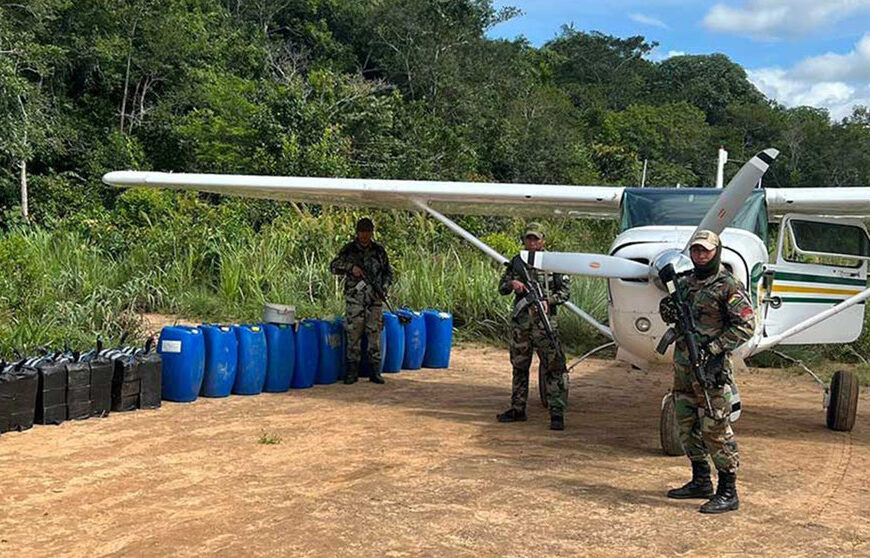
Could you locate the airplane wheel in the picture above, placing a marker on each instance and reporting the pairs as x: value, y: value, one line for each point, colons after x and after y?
x: 542, y: 386
x: 669, y: 431
x: 843, y: 405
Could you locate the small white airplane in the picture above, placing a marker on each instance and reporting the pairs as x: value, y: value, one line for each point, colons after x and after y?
x: 810, y: 290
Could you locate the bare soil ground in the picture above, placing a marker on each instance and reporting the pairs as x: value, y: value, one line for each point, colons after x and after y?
x: 419, y: 467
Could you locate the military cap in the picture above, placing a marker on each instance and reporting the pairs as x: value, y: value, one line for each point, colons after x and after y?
x: 534, y: 229
x: 708, y: 239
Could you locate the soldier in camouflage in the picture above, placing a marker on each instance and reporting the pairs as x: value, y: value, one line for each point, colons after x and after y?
x: 527, y: 334
x: 365, y: 266
x: 724, y: 319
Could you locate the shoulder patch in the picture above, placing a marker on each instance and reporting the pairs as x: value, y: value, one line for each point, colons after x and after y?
x: 737, y: 299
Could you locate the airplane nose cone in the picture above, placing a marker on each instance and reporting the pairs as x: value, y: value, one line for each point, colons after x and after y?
x: 680, y: 261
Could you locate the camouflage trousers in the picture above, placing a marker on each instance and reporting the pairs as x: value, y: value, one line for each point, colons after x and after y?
x: 361, y: 317
x: 704, y: 436
x: 528, y: 335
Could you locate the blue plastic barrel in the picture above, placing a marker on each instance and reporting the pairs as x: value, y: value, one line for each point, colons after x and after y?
x: 251, y: 373
x: 330, y: 349
x: 365, y: 368
x: 439, y: 338
x: 182, y: 350
x: 307, y: 355
x: 415, y: 339
x: 221, y: 360
x: 281, y: 359
x: 394, y: 350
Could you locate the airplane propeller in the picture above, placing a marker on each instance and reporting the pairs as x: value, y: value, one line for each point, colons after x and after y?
x: 717, y: 218
x: 735, y: 194
x: 595, y: 265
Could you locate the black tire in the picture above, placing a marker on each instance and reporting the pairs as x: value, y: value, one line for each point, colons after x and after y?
x: 669, y: 431
x: 843, y: 405
x: 542, y: 386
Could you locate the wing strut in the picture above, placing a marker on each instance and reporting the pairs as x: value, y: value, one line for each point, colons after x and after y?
x: 486, y: 249
x: 772, y: 341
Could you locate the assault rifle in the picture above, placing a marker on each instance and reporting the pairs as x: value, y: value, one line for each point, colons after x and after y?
x: 369, y: 278
x: 535, y: 298
x: 685, y: 328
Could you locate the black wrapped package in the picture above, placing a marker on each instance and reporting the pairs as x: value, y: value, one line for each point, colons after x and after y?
x: 51, y: 394
x: 78, y: 392
x: 18, y: 388
x: 151, y: 374
x: 102, y: 374
x: 52, y: 415
x: 125, y: 381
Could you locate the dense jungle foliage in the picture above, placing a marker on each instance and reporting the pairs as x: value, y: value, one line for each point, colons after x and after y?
x: 357, y: 88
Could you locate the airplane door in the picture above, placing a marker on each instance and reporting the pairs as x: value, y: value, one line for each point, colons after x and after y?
x: 820, y: 262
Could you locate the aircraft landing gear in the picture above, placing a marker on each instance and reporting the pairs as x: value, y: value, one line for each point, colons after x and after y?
x: 840, y: 400
x: 669, y: 431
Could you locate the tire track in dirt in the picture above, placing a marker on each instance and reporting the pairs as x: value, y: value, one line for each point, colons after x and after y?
x: 836, y: 474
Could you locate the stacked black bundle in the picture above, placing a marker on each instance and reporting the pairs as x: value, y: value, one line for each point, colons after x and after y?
x: 78, y: 391
x: 18, y: 386
x: 151, y: 375
x: 51, y: 394
x: 102, y: 374
x: 125, y: 381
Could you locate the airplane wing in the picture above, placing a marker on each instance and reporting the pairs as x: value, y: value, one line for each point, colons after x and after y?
x: 835, y: 202
x: 463, y: 198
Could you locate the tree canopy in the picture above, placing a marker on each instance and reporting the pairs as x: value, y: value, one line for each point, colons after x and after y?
x: 383, y: 88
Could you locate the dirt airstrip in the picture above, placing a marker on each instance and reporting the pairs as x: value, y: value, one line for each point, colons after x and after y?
x: 419, y: 467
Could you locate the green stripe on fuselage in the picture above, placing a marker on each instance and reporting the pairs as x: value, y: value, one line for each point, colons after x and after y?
x: 800, y: 277
x: 809, y: 300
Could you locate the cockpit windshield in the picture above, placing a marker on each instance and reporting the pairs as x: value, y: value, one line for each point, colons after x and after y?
x: 687, y: 206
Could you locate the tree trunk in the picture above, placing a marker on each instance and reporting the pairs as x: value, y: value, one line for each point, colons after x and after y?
x: 126, y: 88
x: 127, y: 76
x: 24, y: 209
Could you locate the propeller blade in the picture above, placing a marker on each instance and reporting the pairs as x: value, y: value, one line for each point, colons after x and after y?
x: 594, y: 265
x: 736, y: 192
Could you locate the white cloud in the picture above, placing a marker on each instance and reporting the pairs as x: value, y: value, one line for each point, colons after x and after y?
x: 773, y: 19
x: 657, y: 56
x: 837, y: 82
x: 647, y: 20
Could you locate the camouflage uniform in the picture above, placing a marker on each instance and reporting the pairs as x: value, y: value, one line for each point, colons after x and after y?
x: 724, y: 320
x: 363, y: 307
x: 527, y: 333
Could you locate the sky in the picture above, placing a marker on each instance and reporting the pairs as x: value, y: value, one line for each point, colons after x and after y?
x: 798, y: 52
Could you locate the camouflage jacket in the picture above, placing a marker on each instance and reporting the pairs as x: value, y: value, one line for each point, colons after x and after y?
x: 372, y: 259
x: 722, y: 311
x: 555, y: 286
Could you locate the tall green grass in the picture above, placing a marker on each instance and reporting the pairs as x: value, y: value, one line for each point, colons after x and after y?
x: 164, y: 253
x: 181, y: 254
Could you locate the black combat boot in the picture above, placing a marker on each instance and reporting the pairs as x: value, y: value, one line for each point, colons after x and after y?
x: 512, y: 415
x: 376, y: 378
x: 725, y: 499
x: 557, y: 421
x: 699, y: 487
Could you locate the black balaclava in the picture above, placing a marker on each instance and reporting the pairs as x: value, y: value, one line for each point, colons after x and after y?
x: 711, y: 267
